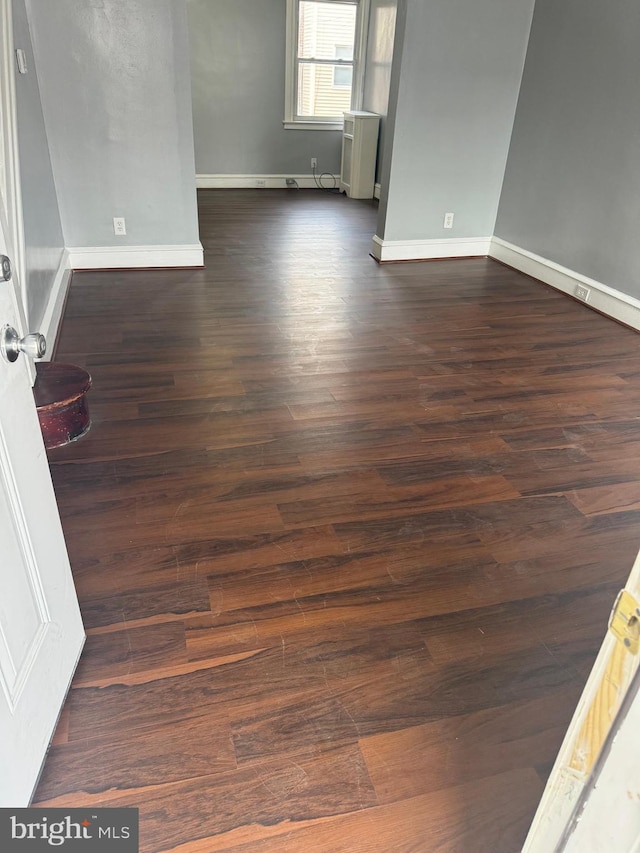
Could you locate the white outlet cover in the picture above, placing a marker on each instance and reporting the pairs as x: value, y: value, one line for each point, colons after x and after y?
x: 21, y: 60
x: 582, y: 292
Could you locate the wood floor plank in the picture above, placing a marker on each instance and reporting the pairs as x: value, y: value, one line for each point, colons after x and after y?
x: 485, y: 631
x: 315, y: 785
x: 344, y: 567
x: 184, y: 750
x: 131, y: 650
x: 435, y: 755
x: 599, y: 500
x: 403, y: 692
x: 184, y: 595
x: 446, y: 821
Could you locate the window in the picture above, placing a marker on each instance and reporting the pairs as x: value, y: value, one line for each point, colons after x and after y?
x: 325, y: 56
x: 343, y: 74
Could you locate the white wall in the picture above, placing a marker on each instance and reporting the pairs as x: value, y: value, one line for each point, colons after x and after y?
x: 238, y: 67
x: 42, y: 229
x: 572, y: 185
x: 454, y: 89
x: 115, y: 87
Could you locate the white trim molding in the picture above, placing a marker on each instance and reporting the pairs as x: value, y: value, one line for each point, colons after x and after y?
x: 427, y: 250
x: 50, y: 325
x: 613, y: 303
x: 131, y: 257
x: 261, y: 182
x: 377, y: 189
x: 314, y: 125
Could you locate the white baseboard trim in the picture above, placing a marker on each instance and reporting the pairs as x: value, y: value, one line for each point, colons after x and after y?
x: 50, y: 324
x: 262, y: 182
x: 426, y: 250
x: 377, y: 189
x: 613, y: 303
x: 130, y: 257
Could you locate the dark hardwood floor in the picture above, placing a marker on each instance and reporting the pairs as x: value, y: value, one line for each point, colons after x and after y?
x: 345, y: 537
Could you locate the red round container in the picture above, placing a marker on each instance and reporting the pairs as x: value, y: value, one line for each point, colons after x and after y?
x: 60, y: 395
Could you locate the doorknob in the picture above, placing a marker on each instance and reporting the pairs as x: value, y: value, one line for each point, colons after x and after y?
x: 11, y: 344
x: 5, y: 268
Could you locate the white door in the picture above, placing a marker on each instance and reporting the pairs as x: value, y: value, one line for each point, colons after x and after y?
x: 592, y: 799
x: 41, y: 633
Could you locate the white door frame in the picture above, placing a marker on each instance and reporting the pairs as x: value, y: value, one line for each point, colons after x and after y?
x: 612, y: 674
x: 10, y: 185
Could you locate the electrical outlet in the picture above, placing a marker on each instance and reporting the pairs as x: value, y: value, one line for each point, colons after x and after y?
x: 314, y: 162
x: 119, y: 226
x: 582, y: 293
x: 448, y: 220
x: 260, y: 182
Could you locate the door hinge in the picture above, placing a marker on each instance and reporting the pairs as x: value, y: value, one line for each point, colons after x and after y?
x: 624, y: 622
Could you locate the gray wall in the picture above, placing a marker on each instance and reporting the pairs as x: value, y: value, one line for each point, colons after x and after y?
x: 382, y: 25
x: 572, y: 185
x: 115, y: 84
x: 42, y: 229
x: 238, y: 62
x: 458, y: 65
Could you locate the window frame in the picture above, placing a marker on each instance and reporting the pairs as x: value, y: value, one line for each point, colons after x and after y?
x: 292, y: 121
